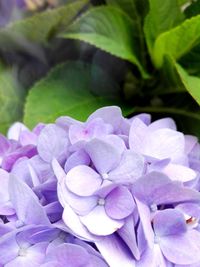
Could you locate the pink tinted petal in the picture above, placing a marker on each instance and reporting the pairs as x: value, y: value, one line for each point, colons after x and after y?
x: 119, y: 203
x: 83, y: 180
x: 105, y: 154
x: 115, y: 252
x: 98, y: 222
x: 165, y: 143
x: 137, y: 135
x: 181, y: 249
x: 80, y: 157
x: 111, y: 115
x: 52, y: 143
x: 179, y: 172
x: 129, y: 169
x: 169, y: 222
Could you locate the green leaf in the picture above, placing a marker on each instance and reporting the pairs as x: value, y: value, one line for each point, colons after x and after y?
x: 177, y: 41
x: 191, y: 61
x: 11, y: 99
x: 132, y: 8
x: 163, y: 15
x: 128, y: 6
x: 191, y: 83
x: 109, y: 29
x: 38, y: 28
x: 188, y: 122
x: 67, y: 90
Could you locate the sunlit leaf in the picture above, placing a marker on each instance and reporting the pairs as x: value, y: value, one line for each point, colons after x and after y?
x: 177, y: 41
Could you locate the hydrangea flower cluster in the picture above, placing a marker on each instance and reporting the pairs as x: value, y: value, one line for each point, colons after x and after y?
x: 106, y: 192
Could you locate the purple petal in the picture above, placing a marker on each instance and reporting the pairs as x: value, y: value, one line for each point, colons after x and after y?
x: 98, y: 222
x: 32, y: 256
x: 169, y: 222
x: 156, y: 188
x: 179, y: 173
x: 190, y: 142
x: 119, y: 203
x: 115, y: 252
x: 145, y: 217
x: 15, y: 130
x: 26, y: 203
x: 164, y: 143
x: 4, y: 145
x: 111, y: 115
x: 52, y: 143
x: 137, y: 135
x: 129, y: 169
x: 83, y: 180
x: 8, y: 247
x: 162, y: 123
x: 105, y: 154
x: 80, y: 157
x: 70, y: 255
x: 72, y: 221
x: 27, y: 138
x: 181, y: 249
x: 153, y: 258
x: 127, y: 233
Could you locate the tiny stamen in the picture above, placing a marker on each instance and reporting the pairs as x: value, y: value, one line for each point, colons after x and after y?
x: 104, y: 176
x: 101, y: 202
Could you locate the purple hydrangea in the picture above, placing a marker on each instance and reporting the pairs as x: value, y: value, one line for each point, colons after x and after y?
x: 110, y: 191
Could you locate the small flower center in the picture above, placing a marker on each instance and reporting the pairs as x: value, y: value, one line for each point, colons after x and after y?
x: 19, y: 224
x: 153, y: 207
x: 101, y: 202
x: 104, y: 176
x: 22, y: 252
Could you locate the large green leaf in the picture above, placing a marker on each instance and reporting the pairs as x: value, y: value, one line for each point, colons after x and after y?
x: 109, y: 29
x: 39, y: 27
x: 11, y: 99
x: 67, y: 90
x: 163, y: 15
x: 191, y: 83
x: 177, y: 41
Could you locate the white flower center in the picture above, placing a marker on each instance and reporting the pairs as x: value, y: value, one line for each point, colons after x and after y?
x: 101, y: 202
x: 104, y: 176
x: 22, y: 252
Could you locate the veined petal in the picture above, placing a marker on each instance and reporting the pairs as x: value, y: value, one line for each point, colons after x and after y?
x: 119, y: 203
